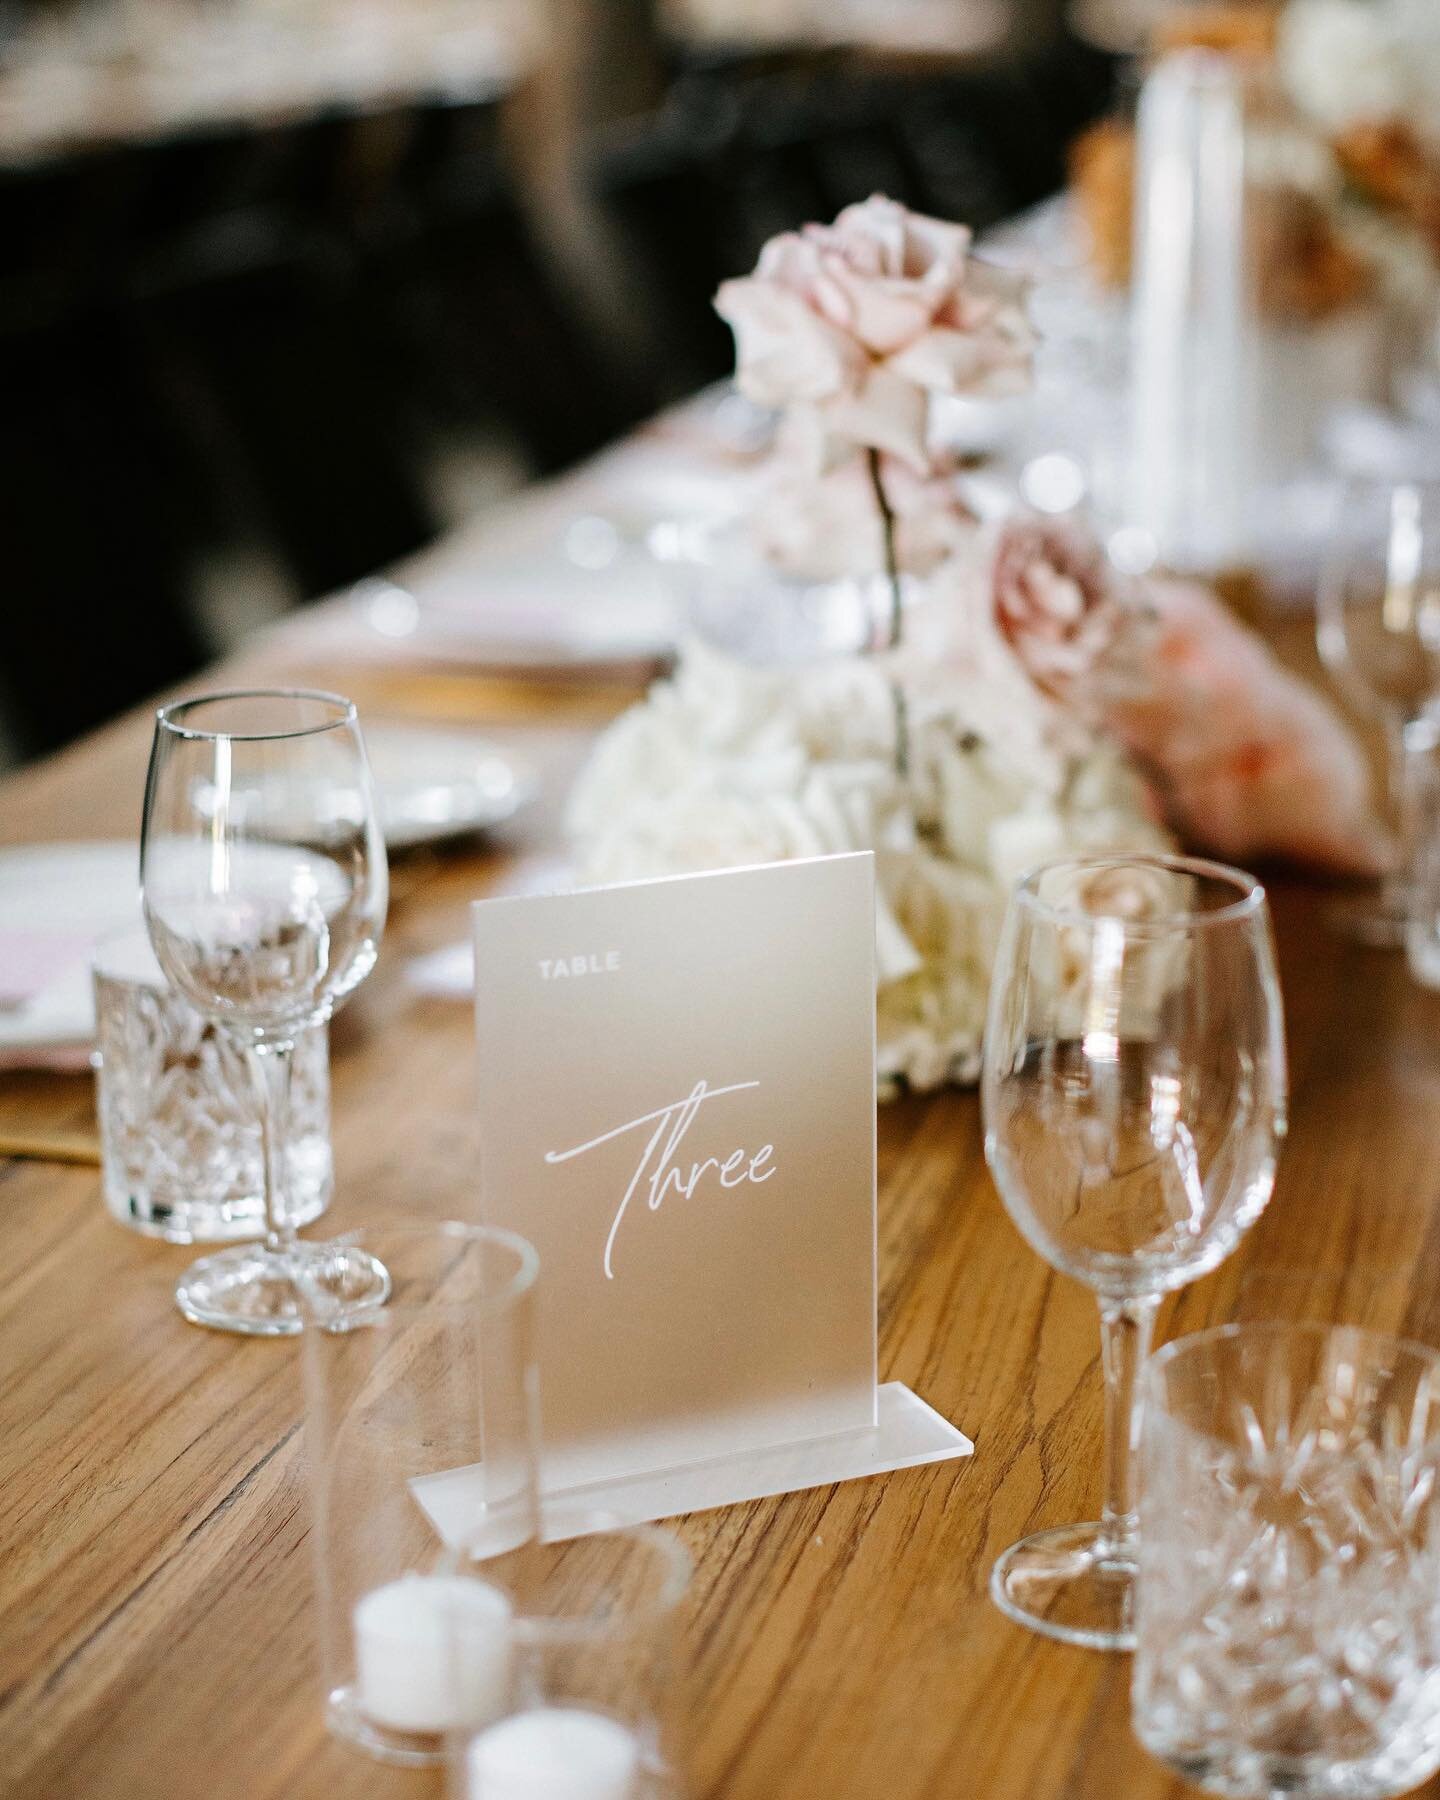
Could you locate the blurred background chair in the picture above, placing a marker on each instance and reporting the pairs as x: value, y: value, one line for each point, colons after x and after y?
x: 286, y: 290
x: 740, y: 148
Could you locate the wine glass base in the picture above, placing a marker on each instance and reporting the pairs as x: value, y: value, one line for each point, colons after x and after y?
x: 251, y: 1290
x: 1068, y: 1584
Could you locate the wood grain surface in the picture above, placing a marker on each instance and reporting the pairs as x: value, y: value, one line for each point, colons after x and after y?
x: 155, y: 1584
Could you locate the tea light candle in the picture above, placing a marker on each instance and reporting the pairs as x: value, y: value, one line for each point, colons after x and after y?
x: 432, y: 1652
x: 554, y: 1753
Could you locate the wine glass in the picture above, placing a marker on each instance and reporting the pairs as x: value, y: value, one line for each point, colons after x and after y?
x: 264, y: 883
x: 1378, y: 630
x: 1134, y: 1098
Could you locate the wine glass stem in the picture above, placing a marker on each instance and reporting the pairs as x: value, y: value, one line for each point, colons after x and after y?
x: 270, y: 1071
x: 1126, y: 1327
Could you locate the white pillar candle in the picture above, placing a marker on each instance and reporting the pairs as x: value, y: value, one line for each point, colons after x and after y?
x: 432, y: 1652
x: 554, y: 1753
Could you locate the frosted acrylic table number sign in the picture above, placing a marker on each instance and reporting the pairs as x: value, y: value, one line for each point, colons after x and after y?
x: 677, y: 1094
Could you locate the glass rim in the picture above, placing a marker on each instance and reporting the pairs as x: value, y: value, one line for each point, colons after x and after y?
x: 489, y: 1305
x: 590, y: 1628
x: 1313, y: 1329
x: 1249, y: 900
x: 171, y: 717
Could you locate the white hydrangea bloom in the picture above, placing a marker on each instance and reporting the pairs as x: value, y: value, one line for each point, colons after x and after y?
x: 725, y: 765
x: 1359, y: 62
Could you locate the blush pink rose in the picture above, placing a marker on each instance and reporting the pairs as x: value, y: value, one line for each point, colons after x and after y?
x: 1250, y: 760
x: 1058, y: 603
x: 864, y: 319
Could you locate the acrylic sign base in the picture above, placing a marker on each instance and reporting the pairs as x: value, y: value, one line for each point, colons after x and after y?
x: 906, y: 1435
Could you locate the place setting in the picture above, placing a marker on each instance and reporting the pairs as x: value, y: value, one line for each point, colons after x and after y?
x: 63, y: 905
x: 640, y: 1360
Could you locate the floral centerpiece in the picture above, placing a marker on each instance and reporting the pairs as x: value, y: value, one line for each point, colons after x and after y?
x: 1365, y: 74
x: 1023, y: 700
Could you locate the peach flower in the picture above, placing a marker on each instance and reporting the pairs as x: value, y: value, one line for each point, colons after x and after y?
x: 1058, y: 602
x: 1247, y: 760
x: 862, y: 320
x: 1251, y: 761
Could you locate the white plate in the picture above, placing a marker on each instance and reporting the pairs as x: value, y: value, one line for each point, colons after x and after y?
x: 534, y: 612
x: 431, y: 785
x: 91, y: 890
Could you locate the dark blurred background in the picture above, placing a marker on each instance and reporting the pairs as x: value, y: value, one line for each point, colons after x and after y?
x: 288, y: 287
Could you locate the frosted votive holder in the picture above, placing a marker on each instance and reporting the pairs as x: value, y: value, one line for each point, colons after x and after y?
x: 439, y: 1378
x: 590, y: 1703
x: 180, y: 1142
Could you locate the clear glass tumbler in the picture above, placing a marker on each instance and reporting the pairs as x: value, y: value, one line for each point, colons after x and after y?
x: 1134, y: 1100
x: 590, y: 1707
x: 1288, y: 1602
x: 422, y: 1430
x: 181, y: 1149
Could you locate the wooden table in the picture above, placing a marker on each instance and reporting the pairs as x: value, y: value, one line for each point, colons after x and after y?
x: 154, y: 1570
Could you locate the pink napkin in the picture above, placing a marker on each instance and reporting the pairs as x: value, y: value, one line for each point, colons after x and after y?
x: 31, y: 960
x: 31, y: 963
x: 1252, y: 761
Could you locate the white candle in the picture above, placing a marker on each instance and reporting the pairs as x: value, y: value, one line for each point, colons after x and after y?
x: 432, y: 1652
x: 1192, y: 431
x: 554, y: 1753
